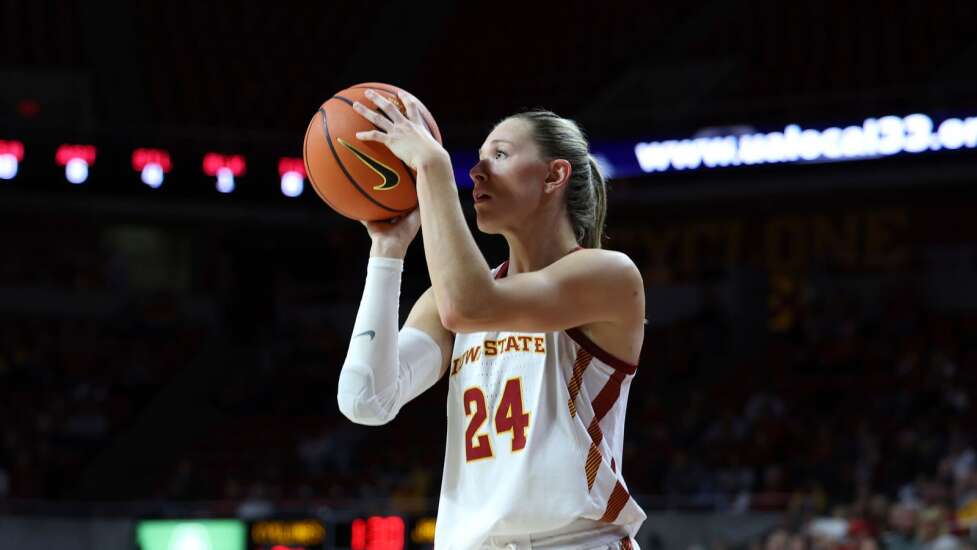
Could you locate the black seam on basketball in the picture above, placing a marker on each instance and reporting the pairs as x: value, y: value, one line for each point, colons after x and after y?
x: 308, y: 172
x: 410, y: 173
x: 325, y: 128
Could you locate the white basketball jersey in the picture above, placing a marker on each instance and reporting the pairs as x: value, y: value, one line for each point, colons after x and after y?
x: 535, y: 435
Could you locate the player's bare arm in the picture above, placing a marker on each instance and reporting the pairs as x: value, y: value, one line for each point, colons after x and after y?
x: 424, y: 317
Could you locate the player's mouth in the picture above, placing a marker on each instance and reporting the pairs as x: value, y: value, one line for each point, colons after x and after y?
x: 480, y: 197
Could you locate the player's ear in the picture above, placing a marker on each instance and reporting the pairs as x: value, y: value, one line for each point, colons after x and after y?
x: 557, y: 176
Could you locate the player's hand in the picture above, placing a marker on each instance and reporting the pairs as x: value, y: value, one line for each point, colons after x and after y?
x: 405, y: 136
x: 392, y: 237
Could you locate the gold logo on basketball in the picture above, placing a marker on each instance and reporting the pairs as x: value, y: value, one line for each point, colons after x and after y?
x: 390, y: 177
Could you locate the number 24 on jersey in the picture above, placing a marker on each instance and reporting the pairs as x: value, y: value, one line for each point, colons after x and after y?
x: 509, y: 417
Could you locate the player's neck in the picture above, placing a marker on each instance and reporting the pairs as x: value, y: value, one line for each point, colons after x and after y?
x: 537, y: 245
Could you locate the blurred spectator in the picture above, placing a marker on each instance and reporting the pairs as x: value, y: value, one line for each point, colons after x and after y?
x: 900, y: 533
x: 778, y: 540
x: 933, y: 532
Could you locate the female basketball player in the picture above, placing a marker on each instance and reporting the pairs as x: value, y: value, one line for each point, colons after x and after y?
x: 539, y: 352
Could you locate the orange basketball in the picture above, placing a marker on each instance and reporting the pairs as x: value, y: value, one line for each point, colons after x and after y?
x: 361, y: 180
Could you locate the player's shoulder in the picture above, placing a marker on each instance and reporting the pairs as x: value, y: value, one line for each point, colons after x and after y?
x: 607, y: 263
x: 602, y: 255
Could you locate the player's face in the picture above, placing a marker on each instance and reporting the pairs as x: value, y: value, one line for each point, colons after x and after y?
x: 508, y: 177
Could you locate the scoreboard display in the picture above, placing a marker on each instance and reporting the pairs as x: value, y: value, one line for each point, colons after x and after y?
x: 385, y: 533
x: 304, y: 534
x: 213, y: 534
x: 376, y: 532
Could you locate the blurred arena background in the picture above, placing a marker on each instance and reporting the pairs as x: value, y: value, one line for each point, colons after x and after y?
x: 794, y: 179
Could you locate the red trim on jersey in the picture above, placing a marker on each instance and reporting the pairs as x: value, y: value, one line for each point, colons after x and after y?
x: 579, y: 366
x: 626, y: 544
x: 596, y: 434
x: 618, y: 364
x: 619, y: 497
x: 608, y: 395
x: 590, y: 467
x: 606, y: 398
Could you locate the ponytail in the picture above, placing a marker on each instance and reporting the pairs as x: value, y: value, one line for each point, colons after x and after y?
x: 594, y: 235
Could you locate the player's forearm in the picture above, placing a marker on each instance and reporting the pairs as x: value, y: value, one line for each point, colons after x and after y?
x: 384, y: 368
x: 459, y: 273
x: 370, y: 368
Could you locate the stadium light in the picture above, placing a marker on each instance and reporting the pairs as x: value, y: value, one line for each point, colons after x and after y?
x: 225, y: 168
x: 292, y: 171
x: 152, y: 165
x: 11, y: 154
x: 76, y: 159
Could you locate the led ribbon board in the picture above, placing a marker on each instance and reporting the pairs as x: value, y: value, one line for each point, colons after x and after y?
x: 873, y: 138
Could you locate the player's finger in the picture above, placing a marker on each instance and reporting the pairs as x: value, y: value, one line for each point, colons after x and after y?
x: 386, y: 106
x: 374, y: 117
x: 372, y: 135
x: 412, y: 107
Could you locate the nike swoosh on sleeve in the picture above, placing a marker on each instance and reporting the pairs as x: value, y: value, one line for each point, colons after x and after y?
x: 369, y: 333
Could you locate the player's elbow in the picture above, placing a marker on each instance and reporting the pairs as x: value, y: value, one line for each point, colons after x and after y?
x: 359, y: 402
x: 362, y: 411
x: 462, y: 315
x: 456, y: 321
x: 450, y: 319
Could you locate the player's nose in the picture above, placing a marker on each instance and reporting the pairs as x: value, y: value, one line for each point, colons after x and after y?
x: 477, y: 173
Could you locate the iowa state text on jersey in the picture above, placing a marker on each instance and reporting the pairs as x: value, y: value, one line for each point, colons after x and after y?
x: 505, y: 344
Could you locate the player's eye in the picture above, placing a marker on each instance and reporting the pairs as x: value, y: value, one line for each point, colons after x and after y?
x: 501, y: 154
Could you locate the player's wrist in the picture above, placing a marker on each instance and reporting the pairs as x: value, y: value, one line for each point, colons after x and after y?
x: 384, y: 249
x: 437, y: 159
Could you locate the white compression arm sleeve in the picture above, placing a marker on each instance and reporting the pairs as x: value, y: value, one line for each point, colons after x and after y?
x: 383, y: 369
